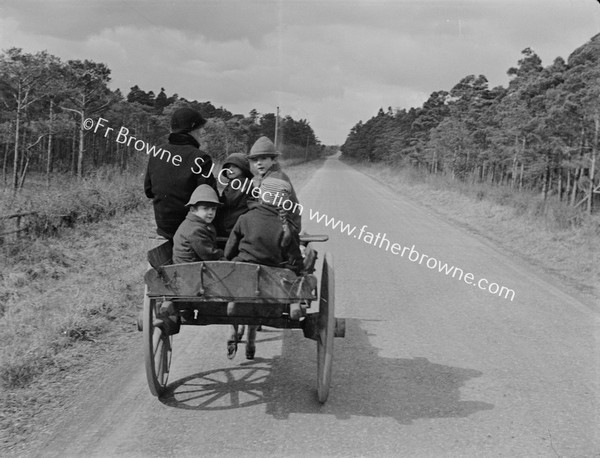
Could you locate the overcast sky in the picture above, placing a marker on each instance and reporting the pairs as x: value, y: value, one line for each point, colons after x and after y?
x: 332, y: 62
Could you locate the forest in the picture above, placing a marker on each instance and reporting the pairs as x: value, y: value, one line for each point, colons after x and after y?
x: 44, y: 103
x: 539, y: 134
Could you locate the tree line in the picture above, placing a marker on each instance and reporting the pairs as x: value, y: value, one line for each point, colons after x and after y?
x: 45, y: 101
x: 539, y: 133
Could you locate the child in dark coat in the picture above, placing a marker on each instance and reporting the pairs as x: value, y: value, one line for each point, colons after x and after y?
x: 196, y: 238
x: 257, y: 236
x: 264, y: 156
x: 236, y: 195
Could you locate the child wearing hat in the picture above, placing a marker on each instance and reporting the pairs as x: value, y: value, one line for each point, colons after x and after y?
x: 264, y: 156
x: 236, y: 195
x: 169, y: 185
x: 196, y: 238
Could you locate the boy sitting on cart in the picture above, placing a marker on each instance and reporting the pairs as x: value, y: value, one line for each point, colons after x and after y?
x: 258, y: 237
x: 196, y: 237
x: 195, y: 240
x: 265, y: 159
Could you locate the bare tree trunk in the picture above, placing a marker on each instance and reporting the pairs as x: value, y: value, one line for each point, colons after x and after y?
x: 121, y: 160
x: 546, y: 180
x: 22, y: 154
x: 15, y: 179
x: 593, y: 165
x: 521, y: 177
x: 27, y: 157
x: 514, y: 163
x: 576, y: 177
x: 81, y: 148
x: 559, y: 184
x: 49, y: 150
x: 24, y: 172
x: 73, y: 154
x: 578, y: 170
x: 5, y: 162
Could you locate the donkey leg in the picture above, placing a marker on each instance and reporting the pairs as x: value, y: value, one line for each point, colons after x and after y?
x: 240, y: 332
x: 232, y: 342
x: 250, y: 342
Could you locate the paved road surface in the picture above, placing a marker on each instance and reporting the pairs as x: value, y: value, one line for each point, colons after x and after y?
x: 430, y: 366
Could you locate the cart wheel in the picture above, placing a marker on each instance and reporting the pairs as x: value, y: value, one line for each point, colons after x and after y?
x: 326, y: 328
x: 157, y: 349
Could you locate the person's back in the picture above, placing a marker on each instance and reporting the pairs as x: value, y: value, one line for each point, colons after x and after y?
x: 176, y: 169
x: 258, y: 235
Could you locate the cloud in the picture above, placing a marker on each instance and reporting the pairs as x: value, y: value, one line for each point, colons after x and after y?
x: 332, y: 62
x: 77, y: 20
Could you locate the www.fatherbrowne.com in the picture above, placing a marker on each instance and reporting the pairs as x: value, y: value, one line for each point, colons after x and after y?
x: 413, y: 255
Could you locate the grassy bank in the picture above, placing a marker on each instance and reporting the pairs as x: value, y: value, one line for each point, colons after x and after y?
x: 69, y: 202
x: 559, y: 239
x: 69, y: 300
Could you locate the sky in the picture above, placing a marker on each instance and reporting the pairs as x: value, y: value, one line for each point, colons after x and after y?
x: 331, y: 62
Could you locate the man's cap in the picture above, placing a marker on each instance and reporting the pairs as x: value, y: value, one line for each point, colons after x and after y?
x: 263, y: 147
x: 240, y: 160
x: 204, y: 194
x: 186, y: 120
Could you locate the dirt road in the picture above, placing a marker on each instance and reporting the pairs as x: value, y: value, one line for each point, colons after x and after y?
x: 430, y: 366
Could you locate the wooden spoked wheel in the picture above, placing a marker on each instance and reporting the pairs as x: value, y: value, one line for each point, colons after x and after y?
x: 157, y: 348
x: 326, y: 328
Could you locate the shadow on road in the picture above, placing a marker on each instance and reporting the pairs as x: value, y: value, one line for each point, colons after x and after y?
x: 364, y: 384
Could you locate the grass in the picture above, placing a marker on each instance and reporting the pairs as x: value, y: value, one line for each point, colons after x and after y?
x: 552, y: 235
x: 66, y: 296
x: 70, y: 202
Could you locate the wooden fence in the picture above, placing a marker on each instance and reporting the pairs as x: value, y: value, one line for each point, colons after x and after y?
x: 17, y: 222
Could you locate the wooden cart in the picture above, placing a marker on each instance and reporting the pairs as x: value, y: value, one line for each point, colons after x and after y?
x: 200, y: 292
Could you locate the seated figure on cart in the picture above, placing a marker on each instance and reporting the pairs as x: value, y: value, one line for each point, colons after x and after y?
x: 195, y: 239
x: 170, y: 186
x: 236, y: 194
x: 258, y: 237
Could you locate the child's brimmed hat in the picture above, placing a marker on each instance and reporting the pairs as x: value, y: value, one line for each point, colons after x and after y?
x: 204, y: 194
x: 263, y: 147
x: 240, y: 160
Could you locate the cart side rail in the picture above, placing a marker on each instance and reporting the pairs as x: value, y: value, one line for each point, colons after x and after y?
x: 230, y: 281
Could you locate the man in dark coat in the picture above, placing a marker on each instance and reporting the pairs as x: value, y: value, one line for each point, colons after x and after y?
x: 176, y: 169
